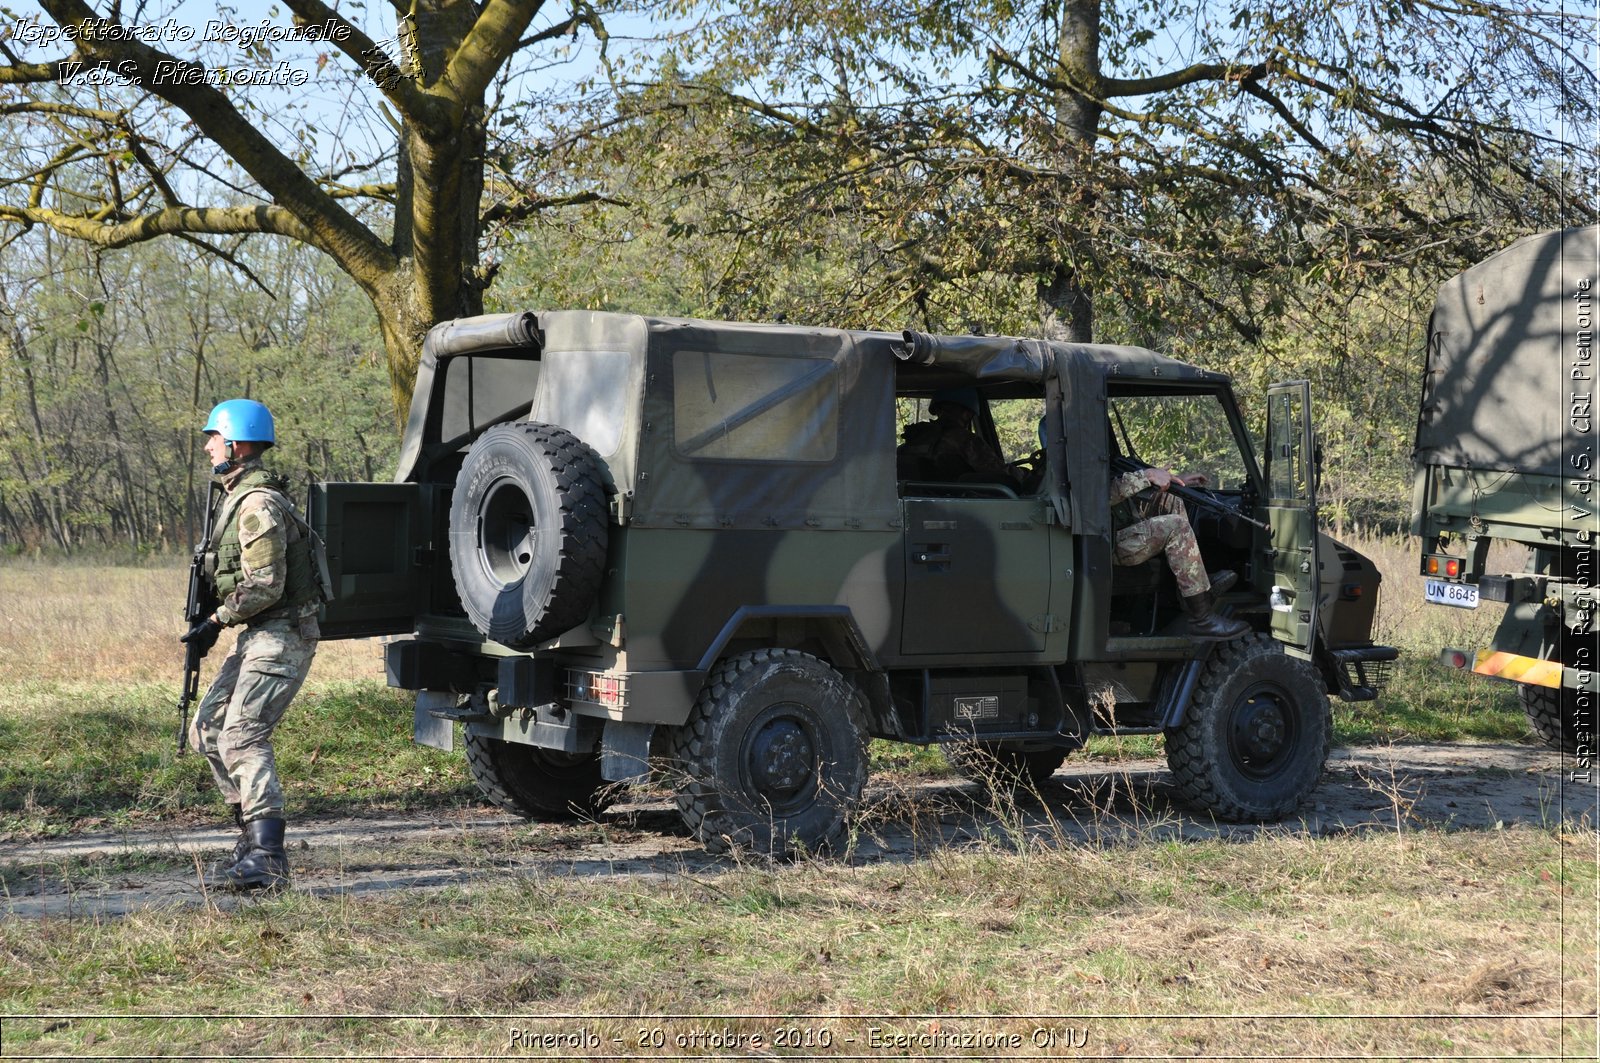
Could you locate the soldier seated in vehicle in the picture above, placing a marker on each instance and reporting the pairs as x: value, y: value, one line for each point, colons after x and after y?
x: 1169, y: 532
x: 948, y: 448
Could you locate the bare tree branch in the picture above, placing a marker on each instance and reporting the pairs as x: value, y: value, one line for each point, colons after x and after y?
x: 320, y: 220
x: 380, y: 68
x: 491, y: 42
x: 169, y: 221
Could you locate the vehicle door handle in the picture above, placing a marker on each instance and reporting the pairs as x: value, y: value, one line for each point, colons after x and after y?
x: 933, y: 555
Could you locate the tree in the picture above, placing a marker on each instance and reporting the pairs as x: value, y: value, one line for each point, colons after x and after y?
x: 119, y: 165
x: 108, y: 363
x: 1157, y: 163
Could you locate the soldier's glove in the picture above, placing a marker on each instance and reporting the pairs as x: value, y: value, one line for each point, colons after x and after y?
x: 203, y: 635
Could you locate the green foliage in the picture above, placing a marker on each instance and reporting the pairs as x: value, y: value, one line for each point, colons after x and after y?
x: 1272, y: 194
x: 110, y: 363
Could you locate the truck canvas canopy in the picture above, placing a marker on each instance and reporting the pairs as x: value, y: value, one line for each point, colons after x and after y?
x: 1510, y: 376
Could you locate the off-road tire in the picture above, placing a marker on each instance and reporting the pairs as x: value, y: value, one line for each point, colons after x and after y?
x: 1253, y: 743
x: 773, y: 756
x: 1549, y: 711
x: 528, y: 528
x: 534, y: 783
x: 1006, y: 767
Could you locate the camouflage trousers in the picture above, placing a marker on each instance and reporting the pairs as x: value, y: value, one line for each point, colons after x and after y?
x: 234, y: 724
x: 1171, y: 533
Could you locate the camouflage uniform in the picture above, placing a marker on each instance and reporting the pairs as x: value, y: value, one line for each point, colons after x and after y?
x: 944, y: 449
x: 234, y: 724
x: 1168, y: 531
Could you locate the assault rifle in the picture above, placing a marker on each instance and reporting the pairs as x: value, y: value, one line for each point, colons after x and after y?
x: 1122, y: 464
x: 199, y: 605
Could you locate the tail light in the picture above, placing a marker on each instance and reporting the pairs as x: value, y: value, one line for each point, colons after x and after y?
x: 1441, y: 565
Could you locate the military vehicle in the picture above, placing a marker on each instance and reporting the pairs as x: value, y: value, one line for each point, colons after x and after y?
x: 1506, y: 450
x: 617, y: 541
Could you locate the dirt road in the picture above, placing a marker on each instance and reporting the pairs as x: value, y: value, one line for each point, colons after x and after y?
x: 1403, y: 787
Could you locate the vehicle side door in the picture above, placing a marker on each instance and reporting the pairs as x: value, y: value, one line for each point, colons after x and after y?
x: 1290, y: 508
x: 373, y: 533
x: 977, y: 576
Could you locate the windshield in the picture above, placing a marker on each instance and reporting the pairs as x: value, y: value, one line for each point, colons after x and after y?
x: 1187, y: 433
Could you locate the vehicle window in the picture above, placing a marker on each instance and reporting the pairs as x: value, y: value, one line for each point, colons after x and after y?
x: 1016, y: 422
x: 1286, y: 458
x: 1184, y: 433
x: 480, y: 390
x: 750, y: 407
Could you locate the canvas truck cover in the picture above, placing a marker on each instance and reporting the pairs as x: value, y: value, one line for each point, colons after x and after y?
x: 765, y: 426
x: 1510, y: 376
x: 715, y: 424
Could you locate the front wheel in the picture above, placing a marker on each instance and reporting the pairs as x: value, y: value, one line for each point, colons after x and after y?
x: 1256, y: 736
x: 773, y: 755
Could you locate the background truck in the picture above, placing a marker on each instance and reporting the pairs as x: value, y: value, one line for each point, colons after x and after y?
x: 618, y: 544
x: 1506, y: 448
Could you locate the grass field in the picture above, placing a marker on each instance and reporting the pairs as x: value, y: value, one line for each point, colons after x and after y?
x: 1463, y: 927
x: 1369, y: 945
x: 89, y: 671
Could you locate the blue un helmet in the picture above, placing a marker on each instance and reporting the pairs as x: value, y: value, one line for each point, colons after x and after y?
x: 242, y: 421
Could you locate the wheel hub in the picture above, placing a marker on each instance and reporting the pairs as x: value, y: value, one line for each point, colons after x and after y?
x: 1260, y: 733
x: 506, y: 530
x: 782, y: 760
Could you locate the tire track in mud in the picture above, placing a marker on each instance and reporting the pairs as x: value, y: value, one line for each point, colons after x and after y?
x: 1365, y: 789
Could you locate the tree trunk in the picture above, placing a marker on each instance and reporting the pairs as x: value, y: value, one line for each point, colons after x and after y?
x: 1066, y: 303
x: 1066, y: 308
x: 439, y: 189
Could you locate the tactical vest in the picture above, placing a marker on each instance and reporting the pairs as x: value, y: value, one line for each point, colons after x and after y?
x: 300, y: 585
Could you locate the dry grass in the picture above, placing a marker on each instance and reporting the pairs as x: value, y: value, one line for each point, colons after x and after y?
x: 1405, y: 619
x: 1265, y: 948
x: 1481, y: 942
x: 72, y: 622
x: 132, y: 615
x: 90, y: 671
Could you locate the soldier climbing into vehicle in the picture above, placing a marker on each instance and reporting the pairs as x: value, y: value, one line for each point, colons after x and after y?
x: 1169, y: 532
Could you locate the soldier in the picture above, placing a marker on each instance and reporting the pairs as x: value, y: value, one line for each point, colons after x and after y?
x: 1169, y: 532
x: 948, y: 448
x: 261, y: 563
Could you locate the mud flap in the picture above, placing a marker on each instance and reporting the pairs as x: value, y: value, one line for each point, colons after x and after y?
x: 625, y: 751
x: 428, y: 729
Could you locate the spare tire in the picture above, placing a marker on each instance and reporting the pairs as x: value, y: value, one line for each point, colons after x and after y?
x: 528, y: 532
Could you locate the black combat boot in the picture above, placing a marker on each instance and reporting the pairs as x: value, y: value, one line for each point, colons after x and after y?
x: 1222, y: 581
x: 217, y: 873
x: 264, y: 865
x: 1206, y: 625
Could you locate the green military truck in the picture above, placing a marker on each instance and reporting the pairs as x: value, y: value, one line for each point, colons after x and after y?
x: 617, y: 544
x: 1506, y: 450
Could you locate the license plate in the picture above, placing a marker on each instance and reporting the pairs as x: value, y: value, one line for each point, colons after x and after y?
x: 1442, y: 592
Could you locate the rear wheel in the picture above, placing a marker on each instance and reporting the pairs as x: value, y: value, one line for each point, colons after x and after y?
x: 997, y: 764
x: 773, y: 755
x: 1550, y: 712
x: 536, y: 783
x: 1256, y: 735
